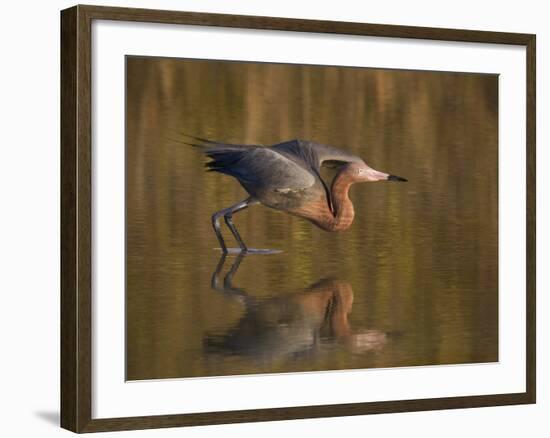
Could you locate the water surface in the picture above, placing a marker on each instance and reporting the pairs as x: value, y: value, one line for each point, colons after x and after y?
x: 414, y: 281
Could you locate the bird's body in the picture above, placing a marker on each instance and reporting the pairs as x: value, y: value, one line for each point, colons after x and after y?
x: 286, y: 176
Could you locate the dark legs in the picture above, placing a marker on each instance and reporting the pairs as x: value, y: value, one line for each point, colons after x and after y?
x: 227, y: 213
x: 229, y: 221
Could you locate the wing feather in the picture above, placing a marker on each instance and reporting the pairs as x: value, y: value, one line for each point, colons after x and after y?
x: 316, y: 155
x: 260, y: 167
x: 214, y: 144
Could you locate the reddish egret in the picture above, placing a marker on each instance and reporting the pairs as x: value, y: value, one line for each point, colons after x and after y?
x: 286, y: 177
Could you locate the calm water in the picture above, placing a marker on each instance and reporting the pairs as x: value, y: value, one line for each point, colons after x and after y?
x: 414, y: 281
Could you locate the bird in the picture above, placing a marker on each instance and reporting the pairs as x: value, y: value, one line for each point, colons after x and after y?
x: 287, y: 177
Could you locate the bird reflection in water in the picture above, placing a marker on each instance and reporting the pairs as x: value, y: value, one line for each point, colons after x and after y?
x: 305, y: 323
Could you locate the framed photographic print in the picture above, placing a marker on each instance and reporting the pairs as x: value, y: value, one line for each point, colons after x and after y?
x: 268, y: 218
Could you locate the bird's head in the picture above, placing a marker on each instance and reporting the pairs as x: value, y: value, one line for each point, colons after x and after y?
x: 361, y: 172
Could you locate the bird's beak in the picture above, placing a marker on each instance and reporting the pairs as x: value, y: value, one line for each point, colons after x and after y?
x: 396, y: 178
x: 375, y: 175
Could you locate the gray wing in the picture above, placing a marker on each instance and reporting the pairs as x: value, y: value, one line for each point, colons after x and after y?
x: 255, y: 166
x: 260, y: 168
x: 315, y: 155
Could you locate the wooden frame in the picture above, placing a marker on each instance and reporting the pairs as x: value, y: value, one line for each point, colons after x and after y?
x: 76, y: 168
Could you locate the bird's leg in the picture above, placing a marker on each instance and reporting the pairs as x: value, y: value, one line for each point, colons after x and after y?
x: 227, y: 213
x: 228, y: 216
x: 216, y: 225
x: 229, y: 221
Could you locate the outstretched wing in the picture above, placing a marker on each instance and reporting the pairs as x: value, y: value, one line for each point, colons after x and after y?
x: 259, y: 167
x: 315, y: 155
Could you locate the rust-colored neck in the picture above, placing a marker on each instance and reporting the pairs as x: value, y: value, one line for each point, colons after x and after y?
x: 343, y: 207
x: 318, y: 212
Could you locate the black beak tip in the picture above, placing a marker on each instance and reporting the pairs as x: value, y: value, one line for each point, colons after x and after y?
x: 396, y: 178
